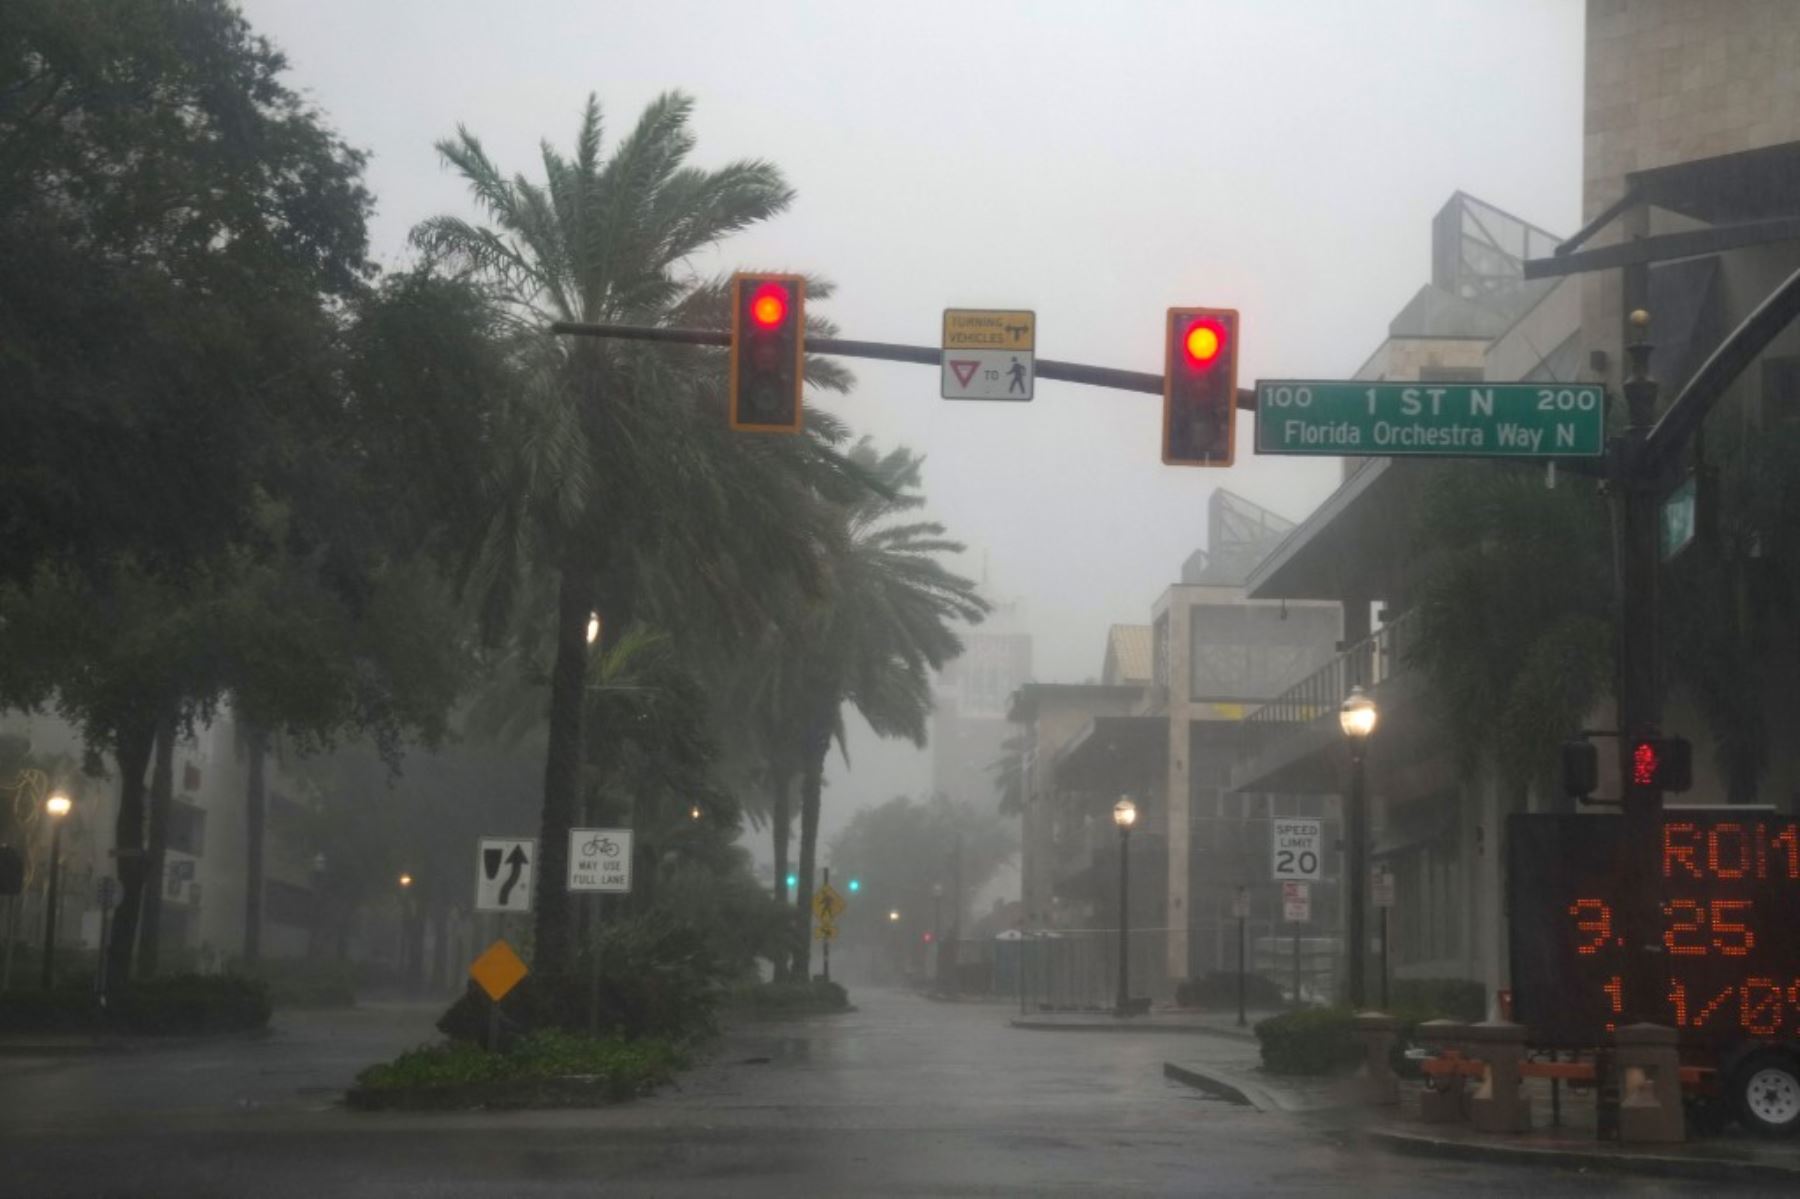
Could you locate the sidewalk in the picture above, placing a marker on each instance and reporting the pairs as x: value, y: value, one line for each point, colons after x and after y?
x: 1323, y: 1103
x: 1218, y: 1024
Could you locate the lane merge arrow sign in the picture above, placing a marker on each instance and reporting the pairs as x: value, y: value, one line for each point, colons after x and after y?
x: 505, y: 869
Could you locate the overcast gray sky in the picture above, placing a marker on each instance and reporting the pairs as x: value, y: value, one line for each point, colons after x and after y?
x: 1097, y: 162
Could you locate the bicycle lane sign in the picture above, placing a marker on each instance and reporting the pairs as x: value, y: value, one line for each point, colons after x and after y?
x: 600, y: 859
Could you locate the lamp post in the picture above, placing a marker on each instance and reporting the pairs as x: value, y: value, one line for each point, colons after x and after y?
x: 57, y: 807
x: 406, y: 977
x: 1124, y: 815
x: 1357, y: 718
x: 937, y: 935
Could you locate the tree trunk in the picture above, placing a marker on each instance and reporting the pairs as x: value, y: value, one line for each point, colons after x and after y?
x: 256, y: 805
x: 812, y: 782
x: 134, y: 742
x: 782, y: 822
x: 162, y: 789
x: 562, y: 769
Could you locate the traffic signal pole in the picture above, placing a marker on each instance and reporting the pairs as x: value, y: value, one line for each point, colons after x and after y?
x: 1643, y: 459
x: 1142, y: 382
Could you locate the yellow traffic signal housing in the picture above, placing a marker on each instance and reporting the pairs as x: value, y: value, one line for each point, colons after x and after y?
x: 768, y: 352
x: 1200, y: 387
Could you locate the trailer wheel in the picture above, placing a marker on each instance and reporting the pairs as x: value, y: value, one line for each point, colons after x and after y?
x: 1765, y: 1089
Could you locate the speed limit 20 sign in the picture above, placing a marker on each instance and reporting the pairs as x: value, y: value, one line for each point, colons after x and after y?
x: 1299, y: 850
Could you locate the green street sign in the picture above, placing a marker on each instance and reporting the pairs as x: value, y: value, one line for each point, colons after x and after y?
x: 1678, y: 519
x: 1348, y: 419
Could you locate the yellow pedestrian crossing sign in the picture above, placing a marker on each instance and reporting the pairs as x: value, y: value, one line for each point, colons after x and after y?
x: 827, y: 903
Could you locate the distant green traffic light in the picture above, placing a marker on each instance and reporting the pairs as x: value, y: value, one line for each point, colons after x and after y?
x: 855, y: 885
x: 793, y: 880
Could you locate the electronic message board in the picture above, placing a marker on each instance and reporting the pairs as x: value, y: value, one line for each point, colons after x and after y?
x: 1730, y: 924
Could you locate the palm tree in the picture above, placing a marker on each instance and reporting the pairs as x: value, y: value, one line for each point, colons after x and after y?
x: 620, y: 479
x: 883, y: 626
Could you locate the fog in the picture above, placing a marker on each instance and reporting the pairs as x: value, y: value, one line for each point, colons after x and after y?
x: 1094, y: 162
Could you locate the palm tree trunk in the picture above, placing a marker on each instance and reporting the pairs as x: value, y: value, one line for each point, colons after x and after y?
x: 162, y: 788
x: 562, y: 768
x: 134, y: 743
x: 256, y: 807
x: 781, y: 820
x: 812, y: 784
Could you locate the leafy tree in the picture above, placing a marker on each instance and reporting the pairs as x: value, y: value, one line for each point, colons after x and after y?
x: 170, y: 214
x: 884, y: 623
x: 905, y: 847
x: 1513, y: 614
x: 618, y: 481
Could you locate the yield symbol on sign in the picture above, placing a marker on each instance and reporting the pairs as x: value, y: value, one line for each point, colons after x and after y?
x: 964, y: 370
x: 516, y: 860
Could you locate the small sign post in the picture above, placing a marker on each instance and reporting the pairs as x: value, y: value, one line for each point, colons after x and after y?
x: 1296, y: 909
x: 497, y: 971
x: 1240, y: 907
x: 1382, y: 886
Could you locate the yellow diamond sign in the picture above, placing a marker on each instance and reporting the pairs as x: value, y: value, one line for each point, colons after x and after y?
x: 498, y: 970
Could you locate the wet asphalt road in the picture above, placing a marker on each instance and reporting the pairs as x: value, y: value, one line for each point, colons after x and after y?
x: 903, y: 1097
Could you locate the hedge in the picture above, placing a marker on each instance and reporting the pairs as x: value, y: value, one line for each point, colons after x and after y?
x: 761, y: 998
x: 1308, y: 1041
x: 1219, y: 989
x: 180, y: 1005
x: 544, y: 1068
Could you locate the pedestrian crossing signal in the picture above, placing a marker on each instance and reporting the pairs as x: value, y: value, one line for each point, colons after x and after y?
x: 768, y: 352
x: 1200, y: 387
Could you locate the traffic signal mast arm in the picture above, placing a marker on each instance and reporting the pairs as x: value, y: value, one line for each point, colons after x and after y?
x: 884, y: 351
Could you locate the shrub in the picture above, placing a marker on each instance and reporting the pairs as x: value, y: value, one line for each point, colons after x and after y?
x: 185, y: 1004
x: 657, y: 979
x: 1440, y: 998
x: 459, y: 1074
x: 1308, y: 1041
x: 1218, y: 989
x: 304, y: 983
x: 819, y: 995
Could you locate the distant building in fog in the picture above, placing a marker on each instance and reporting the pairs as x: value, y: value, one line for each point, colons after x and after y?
x: 968, y: 724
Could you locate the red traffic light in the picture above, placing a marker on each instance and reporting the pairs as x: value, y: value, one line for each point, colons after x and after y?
x: 768, y: 352
x: 769, y: 305
x: 927, y: 938
x: 1666, y: 763
x: 1205, y: 339
x: 1200, y: 387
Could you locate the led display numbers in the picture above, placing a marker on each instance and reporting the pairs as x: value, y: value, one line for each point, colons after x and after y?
x: 1729, y: 924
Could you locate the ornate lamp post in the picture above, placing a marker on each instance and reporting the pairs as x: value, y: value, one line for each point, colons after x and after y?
x: 1357, y: 718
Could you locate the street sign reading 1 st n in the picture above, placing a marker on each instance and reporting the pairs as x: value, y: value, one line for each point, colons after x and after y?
x: 1350, y: 419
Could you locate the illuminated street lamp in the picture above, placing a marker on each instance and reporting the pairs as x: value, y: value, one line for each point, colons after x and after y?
x: 1357, y: 717
x: 1124, y: 815
x: 694, y: 812
x: 57, y: 807
x: 406, y: 880
x: 893, y: 915
x: 593, y: 627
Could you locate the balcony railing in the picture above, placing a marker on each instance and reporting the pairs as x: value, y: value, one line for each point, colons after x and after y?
x: 1368, y: 663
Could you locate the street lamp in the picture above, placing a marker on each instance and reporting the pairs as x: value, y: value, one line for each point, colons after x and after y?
x: 694, y: 812
x: 1124, y: 815
x: 405, y: 956
x: 1357, y: 717
x: 893, y: 915
x: 593, y: 627
x: 57, y: 807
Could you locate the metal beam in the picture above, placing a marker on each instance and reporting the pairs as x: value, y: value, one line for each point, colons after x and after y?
x: 1665, y: 246
x: 1720, y: 371
x: 883, y: 351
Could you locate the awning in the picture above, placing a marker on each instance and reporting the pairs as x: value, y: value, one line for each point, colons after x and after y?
x: 1114, y: 753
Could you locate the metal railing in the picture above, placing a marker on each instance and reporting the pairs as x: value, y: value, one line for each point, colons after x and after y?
x: 1368, y: 663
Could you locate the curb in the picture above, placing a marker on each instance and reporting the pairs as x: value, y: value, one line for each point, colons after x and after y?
x: 1127, y: 1026
x: 1652, y: 1165
x: 1217, y: 1087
